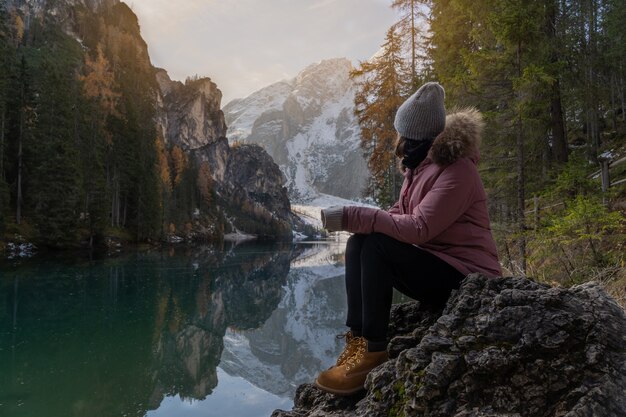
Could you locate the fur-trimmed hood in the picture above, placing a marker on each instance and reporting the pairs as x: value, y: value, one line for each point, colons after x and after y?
x: 460, y: 138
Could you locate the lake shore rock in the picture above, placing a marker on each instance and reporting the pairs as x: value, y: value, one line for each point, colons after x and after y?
x: 501, y: 347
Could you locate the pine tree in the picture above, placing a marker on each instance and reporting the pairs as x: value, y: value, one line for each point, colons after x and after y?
x: 7, y: 54
x: 205, y: 184
x: 450, y: 42
x: 179, y: 164
x: 53, y: 161
x: 554, y: 47
x: 615, y: 60
x: 166, y: 183
x: 100, y: 100
x: 99, y: 82
x: 132, y: 160
x: 25, y: 119
x: 382, y: 85
x: 413, y: 19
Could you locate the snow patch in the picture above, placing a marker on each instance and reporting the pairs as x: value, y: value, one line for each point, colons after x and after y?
x: 307, y: 125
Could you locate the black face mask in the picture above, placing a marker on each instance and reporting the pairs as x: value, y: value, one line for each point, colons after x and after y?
x: 415, y: 152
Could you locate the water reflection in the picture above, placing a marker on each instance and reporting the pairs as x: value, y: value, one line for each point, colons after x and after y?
x: 298, y: 339
x: 148, y: 331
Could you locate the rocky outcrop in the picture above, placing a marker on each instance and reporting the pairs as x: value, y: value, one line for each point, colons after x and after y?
x: 502, y: 347
x: 190, y: 114
x: 253, y: 173
x: 308, y: 127
x: 249, y: 189
x: 249, y: 186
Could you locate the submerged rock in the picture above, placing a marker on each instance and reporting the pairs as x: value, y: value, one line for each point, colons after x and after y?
x: 501, y: 347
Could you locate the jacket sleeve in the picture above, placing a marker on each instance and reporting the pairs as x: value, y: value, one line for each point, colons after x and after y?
x: 451, y: 195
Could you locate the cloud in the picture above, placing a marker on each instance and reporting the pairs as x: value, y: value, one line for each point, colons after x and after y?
x: 244, y: 45
x: 321, y: 4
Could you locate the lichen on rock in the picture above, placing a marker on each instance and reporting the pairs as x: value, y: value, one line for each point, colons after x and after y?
x: 501, y: 347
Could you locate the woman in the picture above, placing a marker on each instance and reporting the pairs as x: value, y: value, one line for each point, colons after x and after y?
x: 436, y: 234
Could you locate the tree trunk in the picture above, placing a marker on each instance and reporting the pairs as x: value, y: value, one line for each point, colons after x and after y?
x: 112, y: 208
x: 536, y: 210
x: 413, y: 65
x: 125, y: 207
x: 113, y: 188
x: 18, y: 210
x: 546, y: 161
x: 520, y: 172
x: 138, y: 217
x: 559, y: 135
x: 520, y: 193
x: 621, y: 84
x: 613, y: 103
x: 557, y: 122
x: 595, y: 129
x: 2, y: 121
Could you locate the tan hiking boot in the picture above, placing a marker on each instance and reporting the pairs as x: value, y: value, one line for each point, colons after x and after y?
x: 352, y: 345
x: 349, y: 377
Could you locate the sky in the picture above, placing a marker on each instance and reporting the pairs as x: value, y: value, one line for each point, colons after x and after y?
x: 245, y: 45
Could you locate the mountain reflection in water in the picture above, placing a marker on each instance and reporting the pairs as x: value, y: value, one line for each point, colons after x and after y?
x: 181, y: 332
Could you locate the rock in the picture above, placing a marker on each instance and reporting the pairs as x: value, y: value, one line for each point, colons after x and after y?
x: 501, y: 347
x: 189, y: 114
x: 19, y: 249
x: 250, y: 189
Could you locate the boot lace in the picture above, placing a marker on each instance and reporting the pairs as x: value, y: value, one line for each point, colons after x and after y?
x: 347, y: 350
x: 357, y: 355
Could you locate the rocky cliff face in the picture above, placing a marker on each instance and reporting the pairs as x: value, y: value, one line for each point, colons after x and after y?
x: 62, y: 12
x: 249, y: 188
x: 307, y: 125
x: 502, y: 347
x: 189, y: 114
x: 248, y: 183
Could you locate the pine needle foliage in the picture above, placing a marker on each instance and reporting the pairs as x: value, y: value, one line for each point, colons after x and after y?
x: 383, y: 84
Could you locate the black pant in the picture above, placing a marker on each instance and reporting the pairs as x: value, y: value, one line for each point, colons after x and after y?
x: 377, y: 263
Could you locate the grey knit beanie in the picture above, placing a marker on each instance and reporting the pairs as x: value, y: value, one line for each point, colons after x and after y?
x: 423, y: 115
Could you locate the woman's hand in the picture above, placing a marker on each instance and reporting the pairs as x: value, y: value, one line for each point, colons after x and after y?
x: 332, y: 218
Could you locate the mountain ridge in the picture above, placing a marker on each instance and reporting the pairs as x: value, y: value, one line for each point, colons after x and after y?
x: 307, y: 125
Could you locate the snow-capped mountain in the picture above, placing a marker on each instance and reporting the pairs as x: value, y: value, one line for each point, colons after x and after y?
x: 308, y: 127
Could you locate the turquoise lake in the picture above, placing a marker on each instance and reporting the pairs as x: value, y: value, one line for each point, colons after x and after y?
x: 180, y: 332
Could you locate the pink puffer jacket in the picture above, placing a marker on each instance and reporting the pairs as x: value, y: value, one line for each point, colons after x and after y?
x: 443, y: 204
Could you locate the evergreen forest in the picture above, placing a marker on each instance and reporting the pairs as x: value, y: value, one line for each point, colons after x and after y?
x: 81, y: 159
x: 549, y: 77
